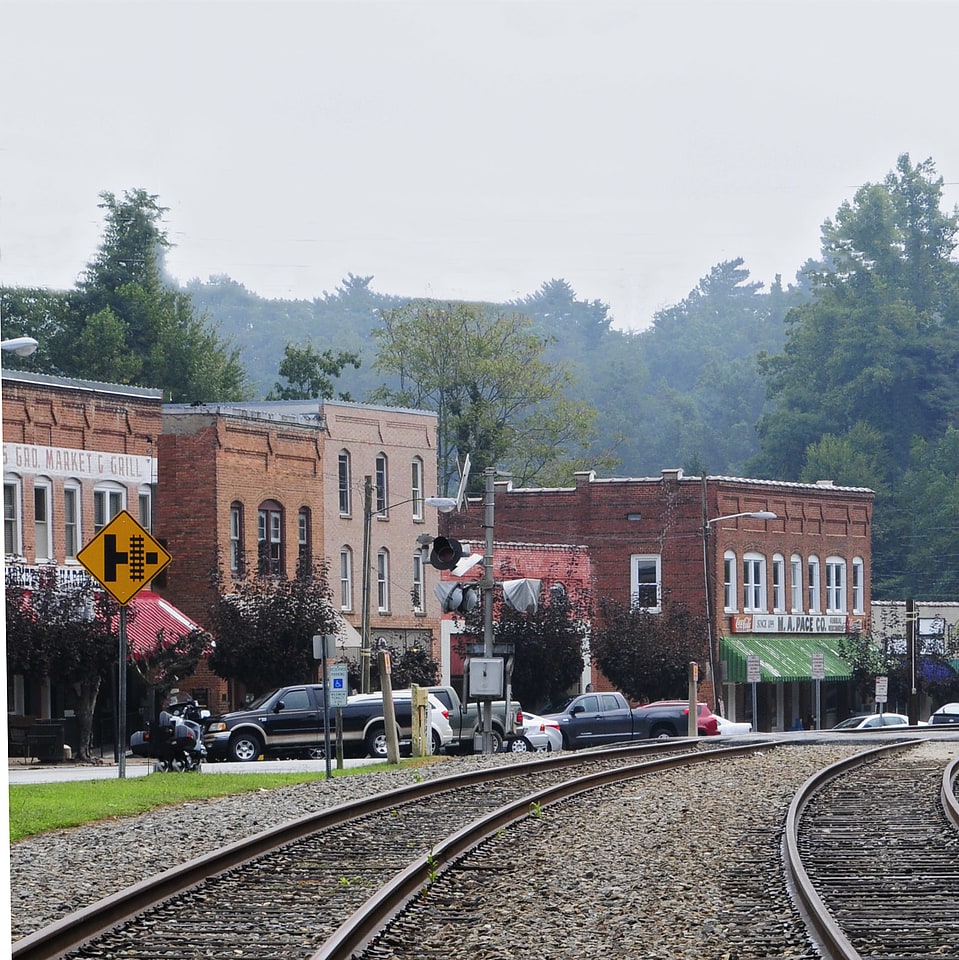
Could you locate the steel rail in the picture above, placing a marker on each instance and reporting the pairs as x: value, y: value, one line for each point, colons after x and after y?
x: 830, y: 939
x: 950, y: 804
x: 391, y: 899
x: 76, y: 929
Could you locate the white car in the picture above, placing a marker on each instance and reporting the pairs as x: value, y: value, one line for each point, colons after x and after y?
x: 539, y: 734
x: 732, y: 728
x: 442, y: 730
x: 873, y: 721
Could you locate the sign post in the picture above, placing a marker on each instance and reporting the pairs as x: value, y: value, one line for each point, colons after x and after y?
x: 754, y: 674
x: 818, y: 674
x: 123, y: 558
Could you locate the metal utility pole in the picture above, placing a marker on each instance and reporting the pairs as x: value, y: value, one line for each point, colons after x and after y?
x: 486, y: 588
x: 365, y: 625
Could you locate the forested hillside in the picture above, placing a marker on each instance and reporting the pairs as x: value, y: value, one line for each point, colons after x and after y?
x: 848, y: 374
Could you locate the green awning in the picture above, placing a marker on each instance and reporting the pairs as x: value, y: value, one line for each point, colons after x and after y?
x: 782, y: 657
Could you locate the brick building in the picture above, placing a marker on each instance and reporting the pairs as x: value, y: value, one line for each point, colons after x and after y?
x: 269, y: 485
x: 76, y: 453
x: 782, y: 589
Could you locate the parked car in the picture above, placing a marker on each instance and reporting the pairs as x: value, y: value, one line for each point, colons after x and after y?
x: 466, y: 720
x: 947, y: 713
x: 873, y: 721
x: 731, y: 728
x: 705, y: 718
x: 441, y: 728
x: 538, y: 733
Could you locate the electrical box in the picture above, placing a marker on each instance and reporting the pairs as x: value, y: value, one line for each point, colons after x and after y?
x: 486, y: 679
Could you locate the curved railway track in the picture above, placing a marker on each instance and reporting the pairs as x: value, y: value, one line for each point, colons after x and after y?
x: 253, y: 895
x: 337, y: 884
x: 871, y: 851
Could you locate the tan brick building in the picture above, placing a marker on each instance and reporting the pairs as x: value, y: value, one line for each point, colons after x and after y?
x: 781, y: 589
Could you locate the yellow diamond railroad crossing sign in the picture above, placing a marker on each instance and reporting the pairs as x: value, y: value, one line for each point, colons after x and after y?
x: 123, y: 557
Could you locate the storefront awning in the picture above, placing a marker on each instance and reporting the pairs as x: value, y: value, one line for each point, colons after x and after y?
x: 782, y: 657
x: 156, y: 620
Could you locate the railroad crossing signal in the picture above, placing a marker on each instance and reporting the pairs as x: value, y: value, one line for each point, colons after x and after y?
x: 123, y: 557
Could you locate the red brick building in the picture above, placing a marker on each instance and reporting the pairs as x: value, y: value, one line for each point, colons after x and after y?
x: 781, y: 589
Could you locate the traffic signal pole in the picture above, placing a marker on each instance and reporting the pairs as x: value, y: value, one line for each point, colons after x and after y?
x: 486, y: 588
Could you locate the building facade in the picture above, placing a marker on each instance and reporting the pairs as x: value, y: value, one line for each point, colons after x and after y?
x: 780, y: 589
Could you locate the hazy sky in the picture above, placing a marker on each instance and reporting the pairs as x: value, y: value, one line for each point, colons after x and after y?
x: 467, y: 149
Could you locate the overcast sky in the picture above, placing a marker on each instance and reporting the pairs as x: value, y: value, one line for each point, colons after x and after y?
x: 467, y: 149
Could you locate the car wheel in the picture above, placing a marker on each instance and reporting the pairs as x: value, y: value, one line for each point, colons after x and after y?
x: 497, y: 741
x: 520, y: 745
x: 245, y: 747
x: 435, y: 743
x: 661, y: 733
x: 376, y: 743
x: 316, y: 753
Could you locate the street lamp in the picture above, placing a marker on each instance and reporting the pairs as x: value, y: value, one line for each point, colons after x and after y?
x: 707, y: 581
x: 443, y: 505
x: 21, y: 346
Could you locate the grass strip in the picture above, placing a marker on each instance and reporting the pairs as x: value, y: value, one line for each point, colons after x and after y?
x: 39, y: 807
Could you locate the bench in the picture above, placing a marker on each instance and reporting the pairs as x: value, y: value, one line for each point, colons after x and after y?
x: 18, y: 728
x: 29, y: 737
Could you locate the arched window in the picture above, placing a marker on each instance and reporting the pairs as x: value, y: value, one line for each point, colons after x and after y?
x: 381, y: 490
x: 269, y: 537
x: 795, y: 583
x: 304, y: 551
x: 835, y: 585
x: 812, y: 565
x: 383, y: 581
x: 346, y: 578
x: 754, y: 583
x: 236, y: 539
x: 416, y: 487
x: 729, y: 582
x: 779, y: 583
x: 418, y: 587
x: 345, y: 483
x: 858, y: 586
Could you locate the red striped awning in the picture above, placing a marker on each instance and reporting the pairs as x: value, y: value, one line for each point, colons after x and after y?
x: 156, y: 621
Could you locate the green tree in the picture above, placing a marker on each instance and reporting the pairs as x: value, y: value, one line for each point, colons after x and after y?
x: 124, y: 323
x: 310, y: 374
x: 496, y: 398
x: 55, y: 630
x: 264, y: 629
x: 644, y: 654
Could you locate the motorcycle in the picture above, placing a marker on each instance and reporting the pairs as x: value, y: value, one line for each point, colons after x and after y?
x: 175, y: 742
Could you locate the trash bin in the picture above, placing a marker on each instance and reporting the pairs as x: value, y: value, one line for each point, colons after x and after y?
x: 45, y: 740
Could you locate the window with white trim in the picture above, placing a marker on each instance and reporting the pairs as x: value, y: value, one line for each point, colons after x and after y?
x: 269, y: 537
x: 12, y: 529
x: 346, y: 578
x: 416, y: 591
x: 416, y: 487
x: 729, y: 581
x: 779, y: 583
x: 42, y: 519
x: 754, y: 583
x: 236, y: 538
x: 645, y: 581
x: 304, y: 550
x: 835, y: 585
x: 383, y: 580
x: 812, y: 565
x: 381, y: 487
x: 344, y: 483
x: 795, y: 584
x: 858, y: 585
x: 145, y: 506
x: 71, y: 521
x: 108, y: 501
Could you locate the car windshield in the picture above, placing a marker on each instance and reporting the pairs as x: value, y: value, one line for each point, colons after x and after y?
x: 559, y: 706
x: 851, y: 722
x: 261, y: 700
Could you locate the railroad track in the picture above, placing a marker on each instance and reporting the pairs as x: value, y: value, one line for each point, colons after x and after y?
x: 871, y: 850
x: 286, y: 891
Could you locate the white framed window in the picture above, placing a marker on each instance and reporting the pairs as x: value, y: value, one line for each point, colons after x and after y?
x: 236, y: 538
x: 835, y: 585
x: 779, y: 583
x: 383, y: 580
x: 344, y: 483
x: 729, y: 582
x: 42, y: 519
x: 381, y: 487
x: 269, y: 536
x: 12, y: 518
x: 419, y: 585
x: 346, y: 578
x: 795, y: 584
x: 812, y: 566
x: 416, y: 487
x: 145, y: 507
x: 72, y: 534
x: 108, y: 501
x: 303, y: 546
x: 754, y: 583
x: 645, y: 576
x: 858, y: 585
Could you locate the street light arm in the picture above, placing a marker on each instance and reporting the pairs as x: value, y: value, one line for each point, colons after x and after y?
x: 21, y: 346
x: 755, y: 514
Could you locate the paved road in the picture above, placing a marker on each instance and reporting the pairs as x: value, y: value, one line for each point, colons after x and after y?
x: 32, y: 772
